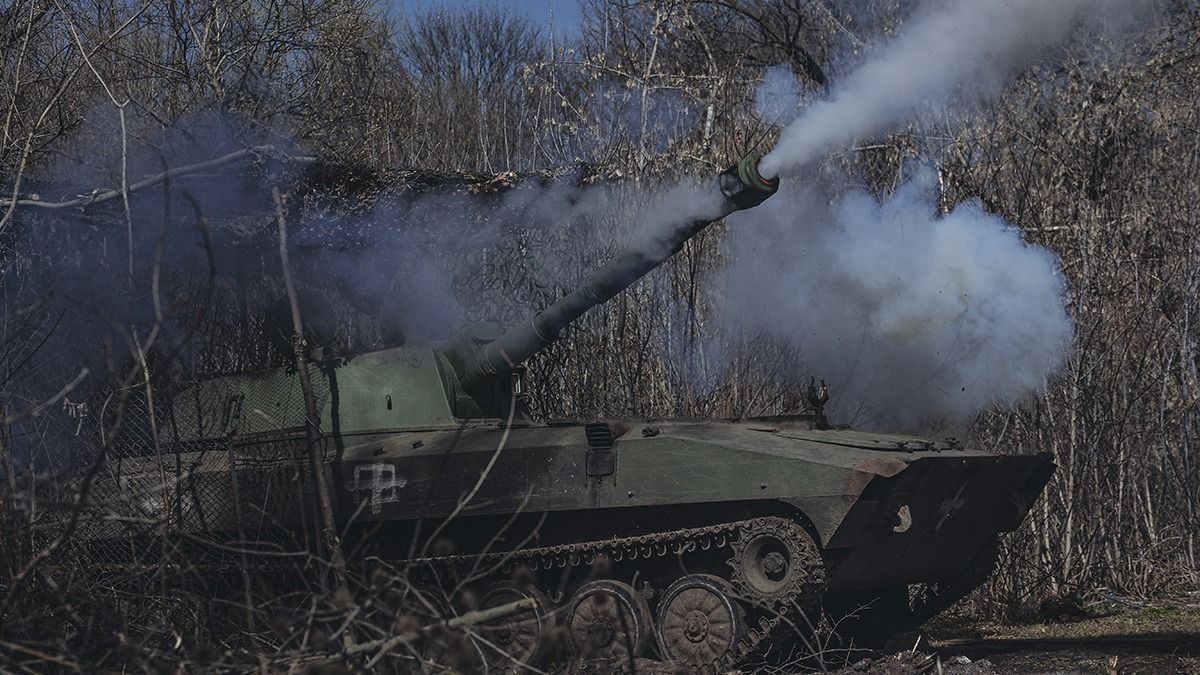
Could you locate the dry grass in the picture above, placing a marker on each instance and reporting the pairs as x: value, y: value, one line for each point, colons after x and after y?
x: 1160, y: 619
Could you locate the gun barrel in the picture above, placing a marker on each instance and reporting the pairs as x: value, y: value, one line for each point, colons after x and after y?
x: 741, y: 187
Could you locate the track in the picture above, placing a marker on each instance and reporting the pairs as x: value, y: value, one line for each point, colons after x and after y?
x: 762, y: 571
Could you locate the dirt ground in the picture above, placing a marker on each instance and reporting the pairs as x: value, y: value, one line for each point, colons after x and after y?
x: 1159, y: 640
x: 1115, y: 640
x: 1103, y: 660
x: 1120, y: 639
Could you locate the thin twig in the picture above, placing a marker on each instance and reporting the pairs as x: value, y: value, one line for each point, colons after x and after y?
x: 101, y: 196
x: 329, y: 532
x: 41, y: 656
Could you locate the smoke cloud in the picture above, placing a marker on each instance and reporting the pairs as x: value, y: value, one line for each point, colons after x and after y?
x: 777, y: 98
x: 910, y: 316
x: 426, y: 263
x: 406, y: 262
x: 957, y: 49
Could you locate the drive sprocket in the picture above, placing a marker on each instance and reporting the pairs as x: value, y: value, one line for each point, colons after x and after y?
x: 775, y: 559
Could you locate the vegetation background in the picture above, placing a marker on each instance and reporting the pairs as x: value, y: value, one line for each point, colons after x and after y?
x: 1095, y: 158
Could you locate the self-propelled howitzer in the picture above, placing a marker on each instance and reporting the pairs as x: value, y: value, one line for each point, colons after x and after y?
x: 692, y: 540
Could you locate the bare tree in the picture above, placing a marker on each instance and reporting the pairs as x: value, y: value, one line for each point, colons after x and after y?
x: 471, y: 110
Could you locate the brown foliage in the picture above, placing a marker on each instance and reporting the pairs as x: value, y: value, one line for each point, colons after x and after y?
x: 1095, y: 159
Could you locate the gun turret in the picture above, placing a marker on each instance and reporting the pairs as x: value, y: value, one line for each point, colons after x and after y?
x: 740, y: 186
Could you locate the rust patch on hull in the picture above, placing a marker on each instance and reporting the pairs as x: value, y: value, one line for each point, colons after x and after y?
x: 862, y: 473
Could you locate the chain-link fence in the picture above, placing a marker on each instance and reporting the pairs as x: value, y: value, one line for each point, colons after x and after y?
x: 219, y: 468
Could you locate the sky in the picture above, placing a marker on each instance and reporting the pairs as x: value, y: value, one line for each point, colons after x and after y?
x: 565, y: 13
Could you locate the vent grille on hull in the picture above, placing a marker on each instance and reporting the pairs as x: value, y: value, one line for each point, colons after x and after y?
x: 599, y: 435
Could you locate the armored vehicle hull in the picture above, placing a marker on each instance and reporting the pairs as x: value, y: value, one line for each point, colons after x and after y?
x: 762, y: 522
x: 695, y: 540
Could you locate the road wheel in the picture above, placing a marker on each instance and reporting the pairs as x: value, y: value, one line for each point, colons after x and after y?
x: 608, y: 620
x: 519, y: 636
x: 698, y: 621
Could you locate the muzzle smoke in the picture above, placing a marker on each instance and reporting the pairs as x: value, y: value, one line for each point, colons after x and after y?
x: 910, y: 316
x: 961, y: 49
